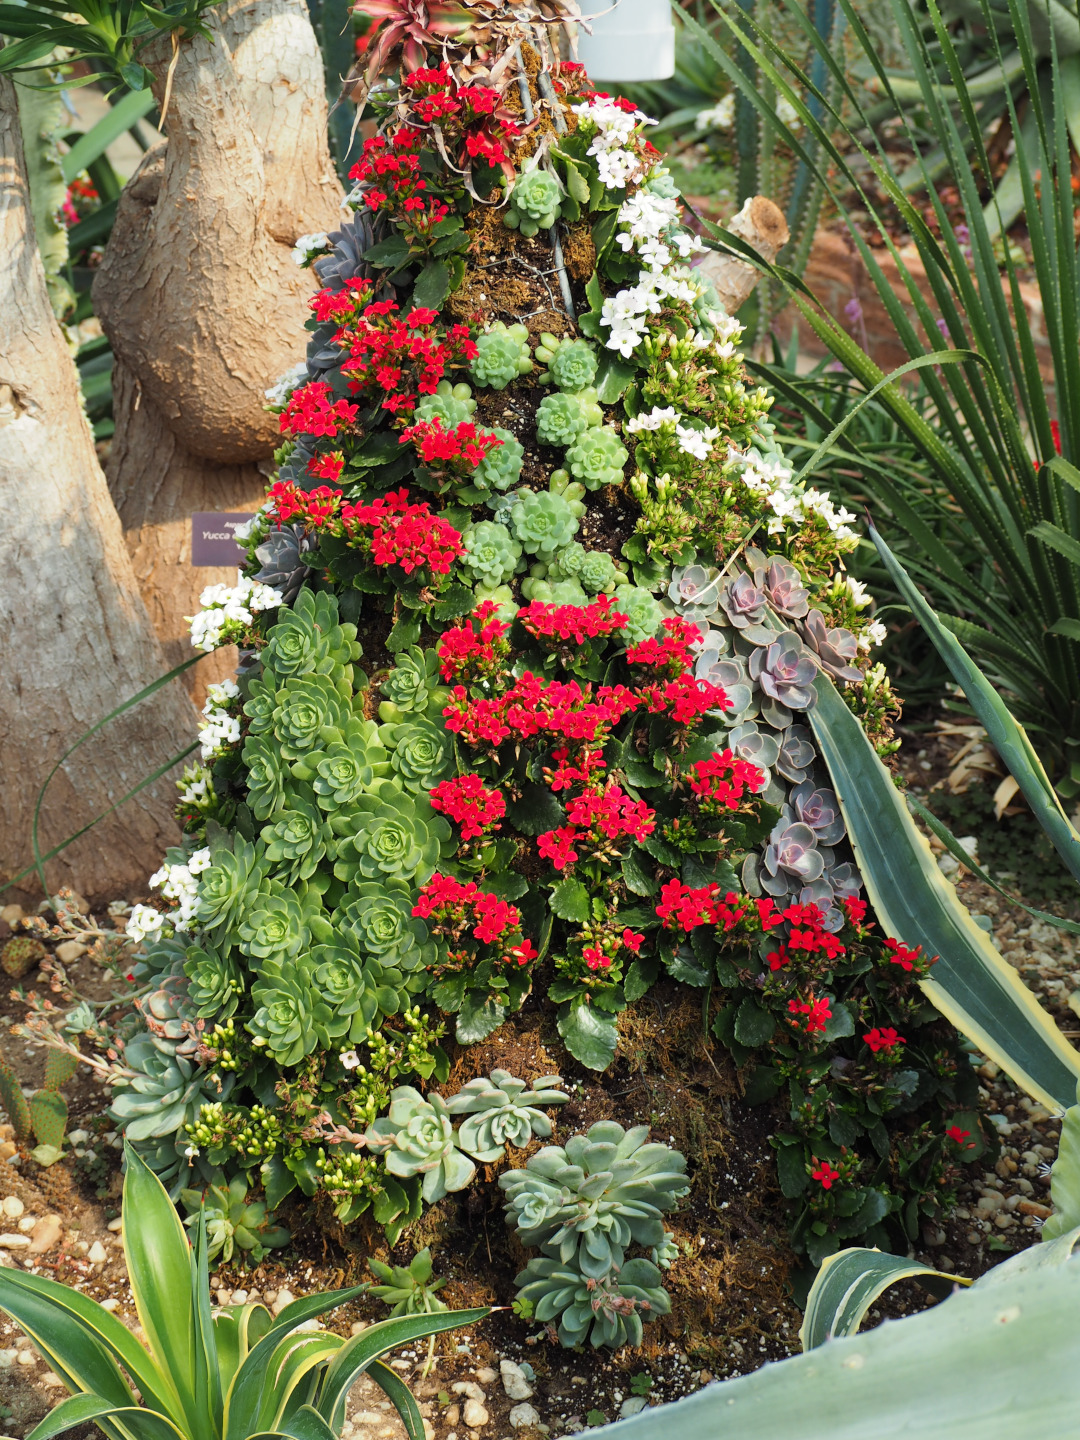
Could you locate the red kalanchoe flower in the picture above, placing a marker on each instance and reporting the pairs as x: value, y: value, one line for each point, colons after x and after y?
x: 327, y: 467
x: 673, y: 654
x: 403, y: 534
x: 883, y: 1038
x: 854, y: 908
x: 723, y: 779
x: 811, y: 1016
x: 470, y: 804
x: 960, y: 1138
x: 310, y: 411
x: 911, y: 960
x: 823, y: 1173
x: 579, y: 623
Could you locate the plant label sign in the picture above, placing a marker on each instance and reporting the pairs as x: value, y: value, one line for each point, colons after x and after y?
x: 213, y: 538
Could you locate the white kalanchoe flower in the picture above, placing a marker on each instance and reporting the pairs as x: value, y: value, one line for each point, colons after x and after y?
x: 227, y: 611
x: 350, y: 1059
x: 874, y: 634
x: 696, y: 442
x: 656, y: 417
x: 144, y: 923
x: 720, y: 116
x: 860, y: 595
x: 308, y: 246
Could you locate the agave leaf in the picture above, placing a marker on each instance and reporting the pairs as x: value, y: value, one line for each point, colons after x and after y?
x: 971, y: 984
x: 1036, y: 1257
x: 78, y: 1331
x: 1008, y: 738
x: 294, y: 1359
x: 1065, y: 1178
x: 950, y: 1373
x: 127, y: 1420
x: 208, y: 1393
x: 306, y: 1424
x: 359, y: 1353
x: 850, y: 1281
x: 161, y: 1273
x: 395, y: 1389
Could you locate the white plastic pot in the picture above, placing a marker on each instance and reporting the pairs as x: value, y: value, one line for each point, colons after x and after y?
x: 633, y: 41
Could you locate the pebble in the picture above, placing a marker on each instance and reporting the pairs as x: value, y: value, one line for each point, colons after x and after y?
x: 239, y: 1297
x: 522, y: 1415
x: 453, y: 1415
x: 50, y: 1380
x: 27, y: 1357
x: 515, y: 1384
x: 474, y: 1414
x: 7, y: 1359
x: 112, y: 1303
x: 97, y: 1254
x: 70, y: 950
x: 26, y: 1224
x: 45, y: 1234
x: 116, y: 1225
x: 14, y: 1242
x: 633, y: 1406
x: 486, y: 1376
x: 284, y: 1297
x: 358, y: 1326
x: 12, y: 914
x: 12, y: 1207
x: 471, y: 1389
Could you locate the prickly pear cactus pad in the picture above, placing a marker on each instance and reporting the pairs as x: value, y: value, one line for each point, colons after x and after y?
x: 531, y: 622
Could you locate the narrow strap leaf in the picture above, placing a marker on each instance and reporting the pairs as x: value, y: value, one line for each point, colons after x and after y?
x: 849, y: 1282
x: 395, y: 1389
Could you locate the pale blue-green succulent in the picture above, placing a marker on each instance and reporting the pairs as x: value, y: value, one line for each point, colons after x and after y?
x: 597, y: 457
x: 503, y: 1110
x: 560, y: 418
x: 607, y: 1311
x: 534, y: 202
x: 453, y: 404
x: 308, y: 638
x: 491, y: 552
x: 501, y: 466
x: 416, y: 1138
x: 543, y: 523
x: 643, y: 614
x: 502, y: 355
x: 571, y: 364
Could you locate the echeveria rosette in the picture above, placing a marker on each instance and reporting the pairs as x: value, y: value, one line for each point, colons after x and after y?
x: 416, y: 1139
x: 268, y: 775
x: 571, y: 364
x: 452, y: 404
x: 534, y: 202
x: 338, y: 974
x: 585, y: 1202
x: 835, y: 648
x: 784, y: 588
x: 502, y: 354
x: 379, y: 916
x: 695, y: 591
x: 283, y: 555
x: 261, y: 704
x: 543, y: 522
x: 229, y: 887
x: 743, y: 603
x: 501, y: 466
x: 347, y: 767
x: 291, y: 1017
x: 818, y: 807
x: 166, y: 1091
x: 791, y: 858
x: 421, y: 752
x: 642, y: 611
x: 501, y: 1111
x: 594, y: 570
x: 393, y: 835
x: 307, y: 706
x: 491, y: 553
x: 409, y: 686
x: 308, y: 638
x: 296, y: 840
x: 215, y: 983
x: 273, y: 925
x: 561, y: 418
x: 785, y: 673
x: 597, y: 457
x: 797, y: 754
x: 608, y: 1311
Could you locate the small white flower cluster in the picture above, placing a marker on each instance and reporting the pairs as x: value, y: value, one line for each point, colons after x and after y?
x: 221, y: 728
x: 872, y: 635
x: 277, y: 397
x: 180, y: 883
x: 196, y: 786
x: 614, y: 126
x: 653, y: 228
x: 770, y: 477
x: 720, y: 116
x: 626, y: 314
x: 698, y: 443
x: 225, y: 611
x: 309, y: 246
x: 144, y: 923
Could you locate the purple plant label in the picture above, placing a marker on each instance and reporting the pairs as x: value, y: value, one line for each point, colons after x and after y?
x: 213, y: 538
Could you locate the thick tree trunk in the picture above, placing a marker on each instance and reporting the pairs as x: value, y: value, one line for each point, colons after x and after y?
x: 75, y: 638
x: 200, y: 297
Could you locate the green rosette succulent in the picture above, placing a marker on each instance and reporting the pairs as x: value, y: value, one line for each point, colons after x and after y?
x: 268, y: 775
x: 416, y: 1138
x: 166, y: 1090
x: 337, y: 972
x: 379, y: 916
x: 291, y: 1017
x: 394, y: 835
x: 342, y: 771
x: 534, y: 202
x: 273, y: 924
x: 597, y: 458
x: 502, y: 354
x: 409, y: 685
x: 608, y: 1311
x: 571, y: 364
x: 452, y: 404
x: 261, y: 704
x: 307, y: 706
x: 594, y: 570
x: 421, y: 752
x: 297, y: 840
x: 643, y: 614
x: 232, y: 1222
x: 215, y: 983
x: 543, y: 523
x: 229, y: 887
x: 491, y: 552
x: 308, y: 638
x: 586, y: 1202
x: 500, y: 467
x: 560, y: 418
x: 503, y: 1110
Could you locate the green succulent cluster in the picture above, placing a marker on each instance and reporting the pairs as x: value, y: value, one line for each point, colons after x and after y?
x: 500, y: 467
x: 232, y: 1221
x: 452, y: 404
x: 543, y: 522
x: 594, y: 570
x: 416, y: 1138
x: 502, y: 354
x: 410, y: 686
x: 561, y: 418
x: 298, y: 838
x: 597, y: 457
x: 408, y: 1289
x: 378, y: 915
x: 503, y: 1111
x: 491, y: 552
x: 642, y: 611
x: 421, y: 752
x: 534, y: 202
x: 571, y: 364
x: 215, y: 982
x: 393, y: 835
x: 612, y: 1308
x: 308, y: 639
x: 164, y: 1091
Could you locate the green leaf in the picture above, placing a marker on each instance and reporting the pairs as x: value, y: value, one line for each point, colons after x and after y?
x: 278, y: 1180
x: 432, y: 284
x: 396, y: 1391
x: 405, y: 632
x: 478, y: 1017
x: 536, y: 811
x: 110, y: 127
x: 849, y: 1282
x: 388, y: 254
x: 1065, y: 1177
x: 1057, y: 539
x: 590, y: 1034
x: 640, y: 977
x: 971, y: 984
x: 140, y: 1424
x: 613, y: 375
x: 754, y: 1025
x: 570, y: 901
x: 636, y: 876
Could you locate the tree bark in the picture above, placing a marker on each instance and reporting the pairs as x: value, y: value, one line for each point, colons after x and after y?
x: 199, y: 294
x: 75, y: 638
